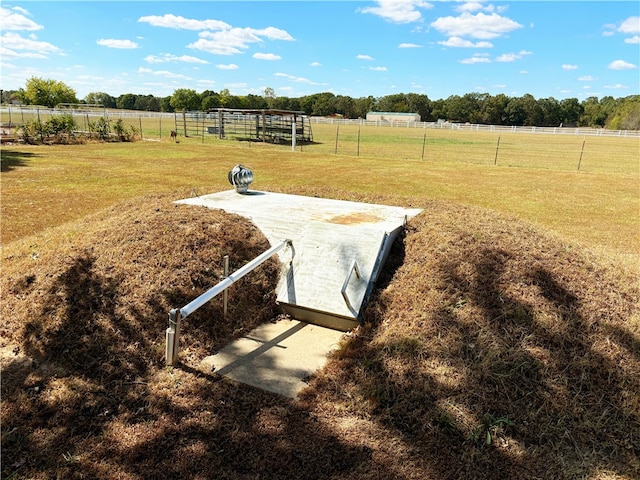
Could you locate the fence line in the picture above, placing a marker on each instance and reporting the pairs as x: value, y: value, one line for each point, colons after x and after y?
x: 475, y: 127
x: 471, y: 127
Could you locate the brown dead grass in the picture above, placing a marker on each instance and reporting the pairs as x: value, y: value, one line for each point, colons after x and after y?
x: 489, y: 349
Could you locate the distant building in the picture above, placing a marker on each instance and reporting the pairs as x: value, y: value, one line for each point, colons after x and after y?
x: 393, y: 117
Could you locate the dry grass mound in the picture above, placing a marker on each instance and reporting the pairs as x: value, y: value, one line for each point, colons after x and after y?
x: 496, y: 351
x: 489, y: 349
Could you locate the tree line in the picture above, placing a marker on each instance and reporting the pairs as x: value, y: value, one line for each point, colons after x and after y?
x: 606, y: 112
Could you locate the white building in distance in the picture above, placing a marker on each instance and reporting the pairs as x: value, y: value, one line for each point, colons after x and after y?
x: 393, y: 117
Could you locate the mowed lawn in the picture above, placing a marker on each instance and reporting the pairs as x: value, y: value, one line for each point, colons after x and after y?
x: 597, y: 205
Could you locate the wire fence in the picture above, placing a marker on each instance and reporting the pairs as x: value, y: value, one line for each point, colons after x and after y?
x: 550, y: 148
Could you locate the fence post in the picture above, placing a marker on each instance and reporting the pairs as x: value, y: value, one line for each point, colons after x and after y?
x: 358, y: 147
x: 184, y: 123
x: 424, y: 140
x: 335, y: 152
x: 173, y: 337
x: 581, y: 152
x: 495, y: 160
x: 140, y: 122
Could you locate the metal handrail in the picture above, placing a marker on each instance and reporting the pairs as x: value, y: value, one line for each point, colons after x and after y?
x: 353, y: 268
x: 177, y: 314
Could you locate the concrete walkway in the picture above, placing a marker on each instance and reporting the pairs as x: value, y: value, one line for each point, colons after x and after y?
x: 277, y: 357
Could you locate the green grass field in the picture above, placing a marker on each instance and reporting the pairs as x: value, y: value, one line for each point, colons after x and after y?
x: 535, y: 177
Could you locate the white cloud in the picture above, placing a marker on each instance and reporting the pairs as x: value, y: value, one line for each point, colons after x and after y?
x: 474, y: 6
x: 476, y: 26
x: 567, y: 67
x: 631, y: 25
x: 233, y: 40
x: 621, y: 65
x: 378, y: 69
x: 459, y: 42
x: 586, y: 78
x: 17, y: 21
x: 315, y: 64
x: 477, y: 58
x: 296, y: 79
x: 633, y: 40
x: 35, y: 48
x: 230, y: 66
x: 181, y: 23
x: 405, y: 11
x: 217, y: 37
x: 364, y: 57
x: 163, y: 73
x: 113, y: 43
x: 409, y: 45
x: 5, y: 52
x: 512, y: 57
x: 266, y: 56
x: 169, y: 58
x: 617, y: 86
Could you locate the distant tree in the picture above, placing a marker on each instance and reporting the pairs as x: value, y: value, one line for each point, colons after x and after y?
x: 147, y: 103
x: 269, y: 96
x: 493, y: 109
x: 280, y: 103
x: 47, y: 92
x: 165, y: 104
x: 551, y: 112
x: 362, y: 106
x: 396, y: 102
x: 185, y: 99
x: 255, y: 102
x: 420, y: 104
x: 234, y: 101
x: 307, y: 102
x: 592, y: 115
x: 627, y: 114
x: 324, y: 104
x: 438, y: 109
x: 523, y: 111
x: 464, y: 108
x: 210, y: 100
x: 571, y: 110
x: 345, y: 106
x: 515, y: 111
x: 101, y: 98
x: 126, y: 101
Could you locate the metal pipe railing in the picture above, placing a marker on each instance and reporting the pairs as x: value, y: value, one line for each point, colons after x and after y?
x: 177, y: 314
x: 352, y: 268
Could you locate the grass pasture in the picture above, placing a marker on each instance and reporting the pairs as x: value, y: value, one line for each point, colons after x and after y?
x: 597, y: 206
x: 502, y: 340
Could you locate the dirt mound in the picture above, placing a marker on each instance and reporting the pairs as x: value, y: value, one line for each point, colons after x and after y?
x: 496, y: 350
x: 489, y: 349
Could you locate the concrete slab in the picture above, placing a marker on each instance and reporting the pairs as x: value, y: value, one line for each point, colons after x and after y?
x: 276, y: 357
x: 327, y: 235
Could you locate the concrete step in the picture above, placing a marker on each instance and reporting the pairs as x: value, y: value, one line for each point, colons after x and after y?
x: 278, y: 357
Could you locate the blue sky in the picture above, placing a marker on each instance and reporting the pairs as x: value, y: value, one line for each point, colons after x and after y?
x: 355, y: 48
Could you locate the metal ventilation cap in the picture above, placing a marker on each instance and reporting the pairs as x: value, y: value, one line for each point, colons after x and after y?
x: 240, y: 177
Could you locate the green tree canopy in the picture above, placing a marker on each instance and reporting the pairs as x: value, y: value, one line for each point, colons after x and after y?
x: 185, y: 99
x: 100, y: 98
x: 48, y: 92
